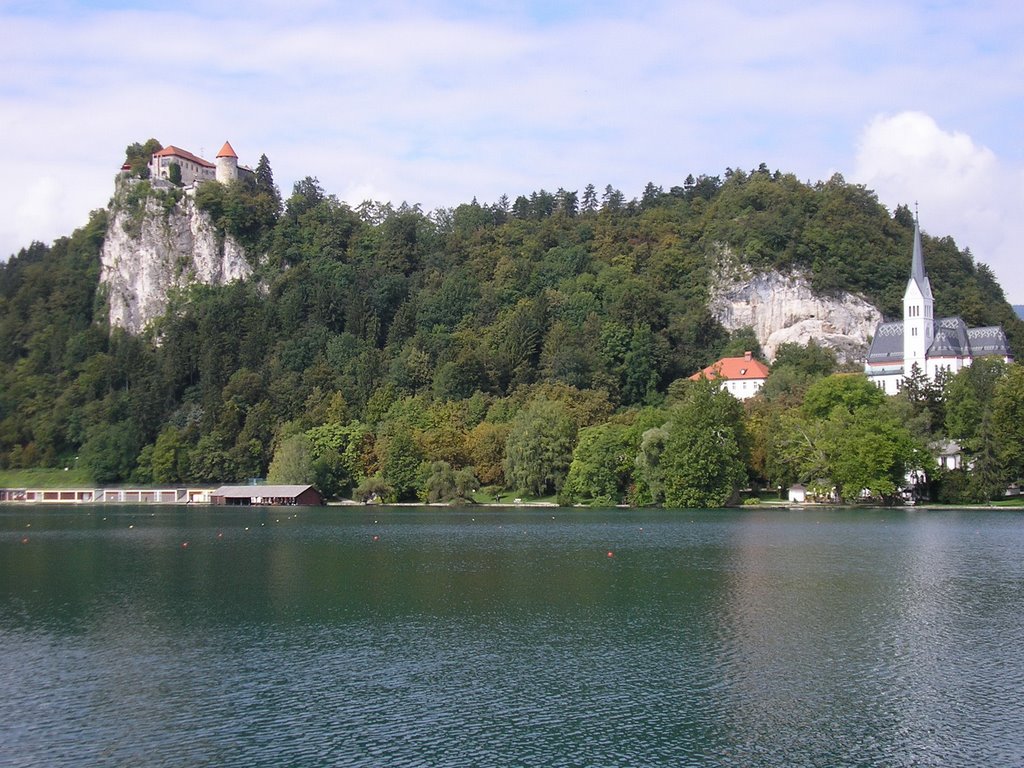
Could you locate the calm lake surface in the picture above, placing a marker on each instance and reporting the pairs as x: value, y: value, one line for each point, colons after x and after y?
x: 143, y: 636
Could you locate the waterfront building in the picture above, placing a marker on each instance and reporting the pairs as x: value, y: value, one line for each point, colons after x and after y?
x: 267, y: 495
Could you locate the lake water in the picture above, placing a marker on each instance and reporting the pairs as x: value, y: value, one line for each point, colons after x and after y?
x: 145, y: 636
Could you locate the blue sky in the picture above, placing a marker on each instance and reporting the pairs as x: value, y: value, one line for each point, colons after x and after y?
x: 439, y: 102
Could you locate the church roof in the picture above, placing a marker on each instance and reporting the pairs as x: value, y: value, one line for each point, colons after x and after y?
x: 887, y: 344
x: 172, y: 151
x: 227, y: 151
x: 990, y: 340
x: 952, y: 338
x: 734, y: 369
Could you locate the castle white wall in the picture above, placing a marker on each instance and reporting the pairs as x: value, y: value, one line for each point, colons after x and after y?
x: 160, y: 168
x: 227, y: 169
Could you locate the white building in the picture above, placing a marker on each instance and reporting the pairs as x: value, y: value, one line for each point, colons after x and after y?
x: 741, y: 377
x: 195, y: 169
x: 946, y: 344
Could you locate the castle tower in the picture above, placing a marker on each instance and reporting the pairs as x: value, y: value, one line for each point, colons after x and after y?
x: 918, y: 311
x: 227, y: 164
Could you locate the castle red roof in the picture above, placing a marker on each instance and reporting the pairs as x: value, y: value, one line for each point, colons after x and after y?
x: 734, y: 368
x: 227, y: 151
x: 172, y: 151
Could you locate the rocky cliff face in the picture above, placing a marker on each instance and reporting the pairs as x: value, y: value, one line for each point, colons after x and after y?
x: 783, y: 309
x: 152, y: 249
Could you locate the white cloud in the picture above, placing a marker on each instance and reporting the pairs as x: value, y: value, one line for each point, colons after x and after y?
x: 963, y: 189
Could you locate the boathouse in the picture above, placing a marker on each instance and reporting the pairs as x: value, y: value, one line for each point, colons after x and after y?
x: 267, y: 495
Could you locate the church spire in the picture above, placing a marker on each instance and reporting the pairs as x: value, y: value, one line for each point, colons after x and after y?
x: 917, y: 273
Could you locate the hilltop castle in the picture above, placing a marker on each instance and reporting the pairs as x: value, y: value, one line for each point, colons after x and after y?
x: 195, y: 169
x: 946, y: 344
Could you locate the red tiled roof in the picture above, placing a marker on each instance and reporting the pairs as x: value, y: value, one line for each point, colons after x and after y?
x: 733, y: 368
x: 173, y: 151
x: 227, y: 151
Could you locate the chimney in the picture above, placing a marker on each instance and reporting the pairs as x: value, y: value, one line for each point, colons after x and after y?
x: 748, y: 356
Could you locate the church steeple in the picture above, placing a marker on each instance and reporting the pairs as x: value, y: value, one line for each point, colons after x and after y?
x: 917, y: 273
x: 918, y: 311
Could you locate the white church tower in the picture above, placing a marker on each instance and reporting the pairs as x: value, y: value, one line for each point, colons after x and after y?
x: 227, y: 164
x: 933, y: 345
x: 918, y: 311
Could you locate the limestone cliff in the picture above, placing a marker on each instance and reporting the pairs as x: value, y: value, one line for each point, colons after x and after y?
x: 783, y: 308
x: 156, y: 245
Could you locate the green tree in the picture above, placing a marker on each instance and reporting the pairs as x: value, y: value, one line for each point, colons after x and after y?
x: 1008, y: 422
x: 650, y: 484
x: 170, y: 456
x: 293, y: 462
x: 444, y: 484
x: 108, y: 455
x: 847, y: 439
x: 871, y: 452
x: 539, y: 447
x: 485, y: 450
x: 740, y: 342
x: 970, y: 420
x: 210, y: 461
x: 602, y: 464
x: 138, y: 155
x: 704, y: 458
x: 401, y: 466
x: 849, y: 392
x: 265, y: 183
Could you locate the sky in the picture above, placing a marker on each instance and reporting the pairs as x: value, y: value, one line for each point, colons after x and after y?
x: 439, y: 101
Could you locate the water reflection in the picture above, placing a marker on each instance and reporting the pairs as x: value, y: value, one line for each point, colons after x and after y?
x: 417, y: 637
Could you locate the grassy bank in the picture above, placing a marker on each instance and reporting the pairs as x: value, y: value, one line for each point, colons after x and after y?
x: 44, y: 478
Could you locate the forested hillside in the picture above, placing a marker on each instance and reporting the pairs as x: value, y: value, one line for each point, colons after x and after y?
x: 419, y: 354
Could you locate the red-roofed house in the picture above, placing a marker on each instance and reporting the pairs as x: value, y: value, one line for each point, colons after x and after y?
x: 742, y: 377
x: 193, y: 168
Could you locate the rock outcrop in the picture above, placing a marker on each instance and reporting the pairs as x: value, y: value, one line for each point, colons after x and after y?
x: 153, y: 248
x: 783, y: 308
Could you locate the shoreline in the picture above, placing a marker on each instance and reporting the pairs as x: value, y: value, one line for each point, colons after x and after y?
x: 69, y: 497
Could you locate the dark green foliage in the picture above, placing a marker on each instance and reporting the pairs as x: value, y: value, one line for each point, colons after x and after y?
x: 602, y: 464
x: 706, y: 451
x: 401, y: 466
x: 137, y: 157
x: 849, y: 393
x: 549, y: 314
x: 539, y: 448
x: 240, y: 209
